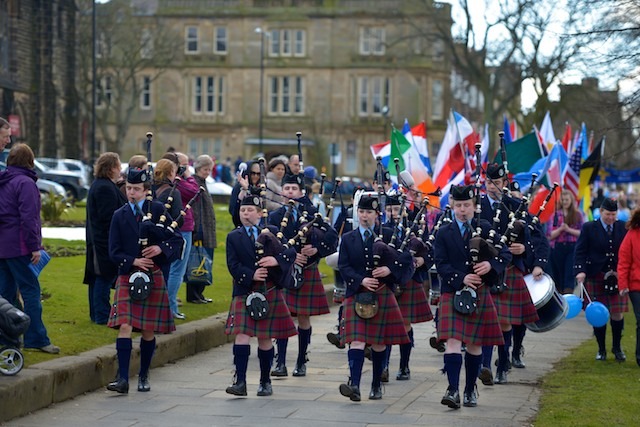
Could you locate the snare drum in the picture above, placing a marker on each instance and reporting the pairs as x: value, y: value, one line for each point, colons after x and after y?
x: 550, y: 305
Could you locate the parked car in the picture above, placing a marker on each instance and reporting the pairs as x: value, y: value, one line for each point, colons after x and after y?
x: 70, y: 165
x: 214, y: 188
x: 45, y: 186
x: 71, y: 182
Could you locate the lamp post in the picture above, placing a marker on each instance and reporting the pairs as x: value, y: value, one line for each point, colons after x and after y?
x: 260, y: 106
x: 385, y: 114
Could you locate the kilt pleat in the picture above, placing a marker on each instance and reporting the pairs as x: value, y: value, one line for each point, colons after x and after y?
x: 277, y: 324
x: 413, y: 303
x: 478, y: 328
x: 152, y: 314
x: 310, y: 299
x: 386, y: 327
x: 514, y: 305
x: 595, y: 287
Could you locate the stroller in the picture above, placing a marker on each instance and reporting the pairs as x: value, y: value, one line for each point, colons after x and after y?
x: 13, y: 323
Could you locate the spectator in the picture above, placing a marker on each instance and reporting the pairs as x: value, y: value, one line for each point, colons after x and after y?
x: 226, y: 172
x: 103, y: 200
x: 236, y: 165
x: 204, y: 218
x: 316, y: 199
x: 247, y: 182
x: 21, y: 237
x: 274, y: 198
x: 629, y: 270
x: 5, y: 134
x: 294, y: 164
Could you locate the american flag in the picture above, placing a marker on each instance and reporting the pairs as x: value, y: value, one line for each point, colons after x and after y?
x: 572, y: 171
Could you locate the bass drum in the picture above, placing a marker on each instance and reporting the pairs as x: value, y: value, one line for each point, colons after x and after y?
x: 550, y: 305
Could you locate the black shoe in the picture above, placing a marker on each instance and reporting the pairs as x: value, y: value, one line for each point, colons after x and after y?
x: 486, y: 376
x: 335, y: 339
x: 265, y: 389
x: 501, y: 377
x: 437, y: 344
x: 619, y: 355
x: 196, y: 301
x: 350, y: 391
x: 280, y: 371
x: 470, y: 399
x: 516, y: 362
x: 143, y: 383
x: 451, y: 398
x: 375, y: 393
x: 602, y: 355
x: 385, y: 375
x: 403, y: 374
x: 207, y: 300
x: 299, y: 370
x: 508, y: 364
x: 120, y: 385
x: 239, y: 388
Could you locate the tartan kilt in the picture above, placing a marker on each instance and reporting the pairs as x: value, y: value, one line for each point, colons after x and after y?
x: 278, y: 324
x: 310, y: 299
x: 514, y: 305
x: 386, y: 327
x: 595, y: 288
x: 413, y: 303
x: 478, y: 328
x: 152, y: 314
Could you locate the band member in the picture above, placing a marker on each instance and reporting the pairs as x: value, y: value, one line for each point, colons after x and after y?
x: 310, y: 299
x: 386, y: 327
x: 529, y: 254
x: 264, y: 276
x: 411, y: 297
x: 153, y: 313
x: 597, y: 258
x: 480, y: 328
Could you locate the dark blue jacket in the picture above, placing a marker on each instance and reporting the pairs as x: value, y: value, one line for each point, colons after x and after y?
x: 595, y: 252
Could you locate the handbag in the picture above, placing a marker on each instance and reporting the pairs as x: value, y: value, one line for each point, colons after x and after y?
x: 199, y: 266
x: 366, y: 304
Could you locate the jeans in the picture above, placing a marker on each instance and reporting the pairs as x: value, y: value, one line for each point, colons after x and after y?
x: 176, y: 272
x: 100, y: 299
x: 15, y: 275
x: 634, y: 296
x: 561, y: 260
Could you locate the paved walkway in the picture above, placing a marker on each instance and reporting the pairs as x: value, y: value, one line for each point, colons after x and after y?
x: 191, y: 391
x: 66, y: 233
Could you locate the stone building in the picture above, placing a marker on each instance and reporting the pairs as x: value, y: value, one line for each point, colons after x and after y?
x: 339, y: 71
x: 37, y: 73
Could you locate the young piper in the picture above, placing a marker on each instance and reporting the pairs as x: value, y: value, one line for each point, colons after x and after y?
x: 310, y: 299
x: 263, y: 275
x: 454, y: 264
x: 386, y: 327
x: 153, y: 313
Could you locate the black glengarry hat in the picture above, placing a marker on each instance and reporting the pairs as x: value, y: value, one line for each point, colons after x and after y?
x: 514, y: 186
x: 137, y: 176
x: 369, y: 203
x: 251, y: 200
x: 386, y: 177
x: 496, y: 171
x: 393, y: 201
x: 292, y: 179
x: 609, y: 204
x: 462, y: 192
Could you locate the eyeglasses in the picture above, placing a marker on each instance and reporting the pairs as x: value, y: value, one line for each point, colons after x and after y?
x: 255, y: 173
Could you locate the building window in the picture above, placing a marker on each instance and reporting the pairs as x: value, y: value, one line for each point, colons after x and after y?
x: 191, y: 40
x: 146, y: 44
x: 104, y: 92
x: 437, y: 104
x: 102, y: 46
x: 351, y: 159
x: 220, y: 41
x: 372, y: 41
x: 145, y: 95
x: 287, y: 43
x: 373, y: 94
x: 199, y: 146
x: 208, y: 95
x: 438, y: 49
x: 287, y: 95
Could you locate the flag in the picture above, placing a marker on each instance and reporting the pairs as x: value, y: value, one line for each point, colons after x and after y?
x: 408, y: 160
x: 458, y: 179
x: 508, y: 138
x: 521, y: 153
x: 547, y: 169
x: 571, y: 173
x: 588, y: 173
x: 584, y: 141
x: 417, y: 136
x: 382, y: 149
x: 543, y: 146
x: 566, y: 139
x: 546, y: 132
x: 450, y: 158
x: 514, y: 130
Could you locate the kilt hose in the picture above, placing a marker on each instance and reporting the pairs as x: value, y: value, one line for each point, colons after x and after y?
x: 152, y: 314
x: 277, y: 324
x: 514, y: 305
x: 386, y: 327
x: 595, y: 288
x: 478, y: 328
x: 413, y: 303
x: 310, y: 299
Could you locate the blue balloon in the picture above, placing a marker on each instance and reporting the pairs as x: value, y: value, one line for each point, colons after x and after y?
x: 597, y: 314
x: 574, y: 303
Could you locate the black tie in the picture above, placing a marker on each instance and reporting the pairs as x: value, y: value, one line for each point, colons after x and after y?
x: 367, y: 234
x: 467, y: 231
x: 138, y: 212
x: 252, y: 234
x: 609, y: 230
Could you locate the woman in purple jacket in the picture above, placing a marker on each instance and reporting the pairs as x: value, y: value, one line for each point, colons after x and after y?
x: 20, y: 225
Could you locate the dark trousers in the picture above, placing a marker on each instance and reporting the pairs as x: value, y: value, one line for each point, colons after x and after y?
x: 100, y: 299
x: 561, y: 260
x: 635, y: 302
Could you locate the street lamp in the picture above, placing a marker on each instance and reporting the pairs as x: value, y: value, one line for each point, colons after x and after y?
x: 385, y: 113
x: 260, y: 106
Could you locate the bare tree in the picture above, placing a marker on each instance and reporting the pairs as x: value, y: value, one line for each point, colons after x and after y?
x: 131, y: 43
